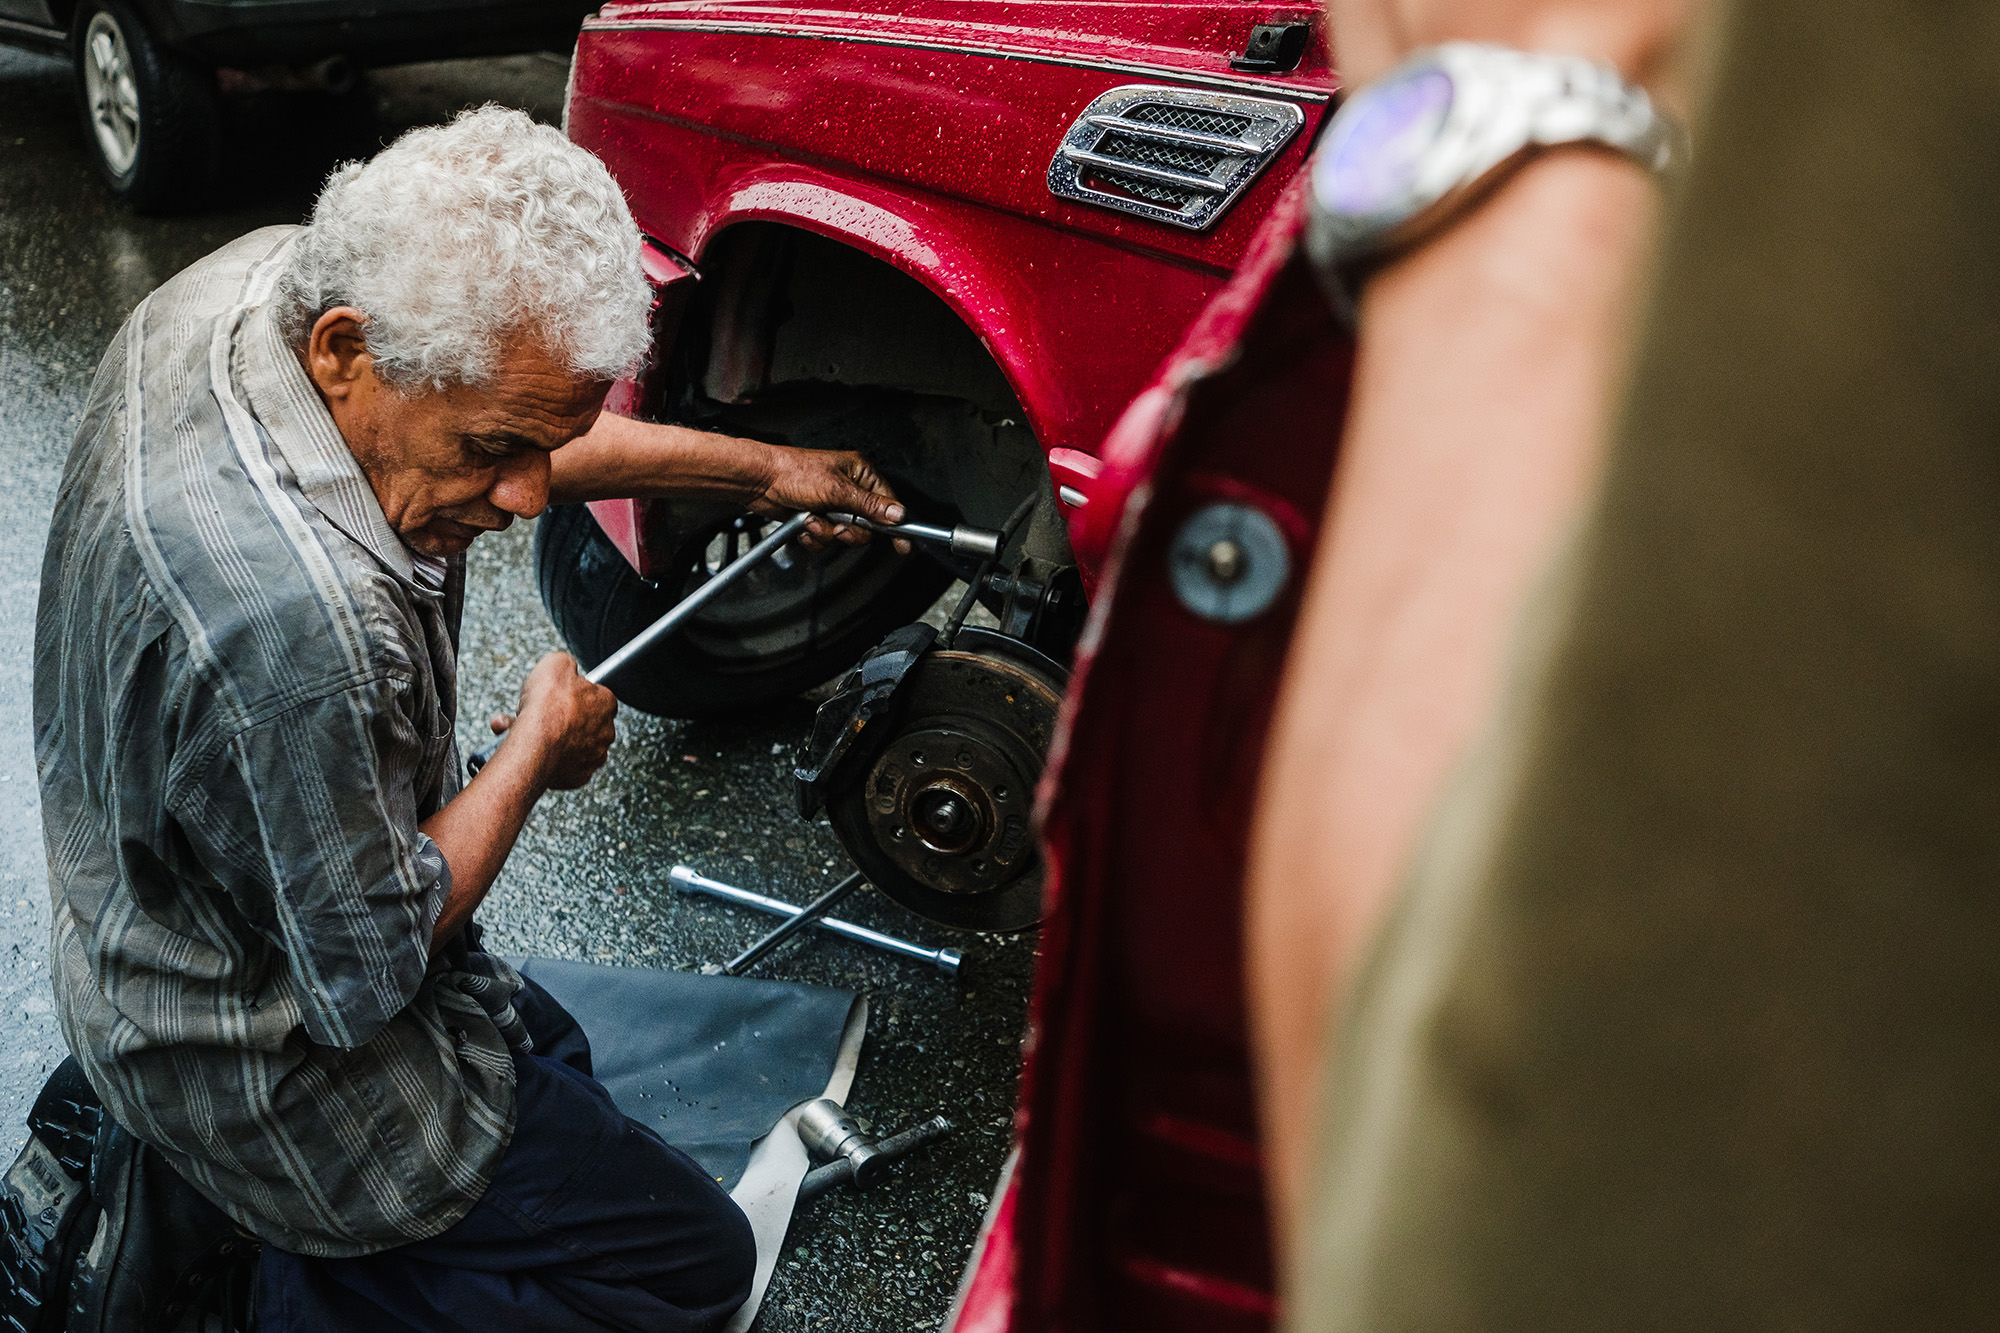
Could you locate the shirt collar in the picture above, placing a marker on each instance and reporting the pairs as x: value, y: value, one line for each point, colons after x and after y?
x: 293, y: 415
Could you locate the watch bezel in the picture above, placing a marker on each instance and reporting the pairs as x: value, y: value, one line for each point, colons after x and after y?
x: 1357, y: 232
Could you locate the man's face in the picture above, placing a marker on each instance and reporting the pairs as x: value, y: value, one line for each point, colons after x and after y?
x: 448, y: 465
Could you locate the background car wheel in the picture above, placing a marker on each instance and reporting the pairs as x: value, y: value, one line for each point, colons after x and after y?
x: 152, y: 117
x: 797, y: 620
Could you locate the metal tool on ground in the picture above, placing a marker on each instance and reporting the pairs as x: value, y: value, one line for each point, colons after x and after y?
x: 961, y: 538
x: 851, y: 1156
x: 687, y: 880
x: 806, y: 916
x: 677, y: 615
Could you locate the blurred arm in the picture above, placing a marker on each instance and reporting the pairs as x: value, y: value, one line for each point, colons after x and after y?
x: 1486, y: 367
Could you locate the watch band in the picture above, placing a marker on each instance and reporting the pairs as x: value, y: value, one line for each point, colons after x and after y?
x: 1406, y: 153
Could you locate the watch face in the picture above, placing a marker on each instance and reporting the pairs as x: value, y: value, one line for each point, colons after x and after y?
x: 1370, y: 162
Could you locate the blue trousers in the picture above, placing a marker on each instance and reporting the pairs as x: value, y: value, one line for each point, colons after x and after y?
x: 591, y: 1223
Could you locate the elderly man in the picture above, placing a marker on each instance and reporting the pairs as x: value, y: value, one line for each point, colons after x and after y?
x: 262, y: 864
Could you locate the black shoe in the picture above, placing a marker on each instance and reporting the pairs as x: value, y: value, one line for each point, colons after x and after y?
x: 45, y: 1210
x: 162, y: 1259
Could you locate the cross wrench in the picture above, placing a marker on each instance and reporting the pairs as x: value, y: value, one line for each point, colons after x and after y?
x: 678, y: 613
x: 685, y: 879
x: 806, y: 916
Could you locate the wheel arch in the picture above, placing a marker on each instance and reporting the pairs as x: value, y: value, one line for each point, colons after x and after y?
x: 992, y: 300
x: 798, y: 312
x: 162, y: 24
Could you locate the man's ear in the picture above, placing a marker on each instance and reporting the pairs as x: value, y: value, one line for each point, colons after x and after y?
x: 337, y: 355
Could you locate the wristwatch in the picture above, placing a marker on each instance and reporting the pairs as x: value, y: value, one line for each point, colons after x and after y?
x: 1406, y: 154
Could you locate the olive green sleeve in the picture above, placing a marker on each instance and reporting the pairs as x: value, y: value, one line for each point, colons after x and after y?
x: 1689, y: 1014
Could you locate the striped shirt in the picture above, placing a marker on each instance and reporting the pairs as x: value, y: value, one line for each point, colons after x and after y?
x: 244, y: 693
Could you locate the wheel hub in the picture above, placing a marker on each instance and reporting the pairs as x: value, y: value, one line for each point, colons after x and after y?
x: 110, y: 87
x: 950, y: 805
x: 942, y: 819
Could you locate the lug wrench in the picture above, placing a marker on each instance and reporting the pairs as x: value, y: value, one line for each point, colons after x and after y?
x: 812, y: 912
x: 685, y: 879
x: 678, y: 613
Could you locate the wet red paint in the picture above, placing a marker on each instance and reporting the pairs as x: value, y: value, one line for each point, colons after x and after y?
x: 623, y: 521
x: 921, y: 134
x: 1139, y: 1190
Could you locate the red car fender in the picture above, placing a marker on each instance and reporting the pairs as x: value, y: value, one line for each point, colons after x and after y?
x: 1139, y: 1191
x: 998, y: 299
x: 1044, y: 347
x: 673, y: 280
x: 859, y: 125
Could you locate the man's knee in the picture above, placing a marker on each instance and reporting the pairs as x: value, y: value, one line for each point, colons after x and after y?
x: 736, y: 1259
x: 712, y: 1255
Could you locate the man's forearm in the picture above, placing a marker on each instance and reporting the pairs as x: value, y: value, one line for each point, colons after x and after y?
x: 1486, y: 362
x: 619, y: 458
x: 476, y: 830
x: 1644, y: 39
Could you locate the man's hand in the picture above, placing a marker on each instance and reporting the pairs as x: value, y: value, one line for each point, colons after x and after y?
x: 821, y: 481
x: 622, y: 458
x: 559, y: 738
x: 568, y: 721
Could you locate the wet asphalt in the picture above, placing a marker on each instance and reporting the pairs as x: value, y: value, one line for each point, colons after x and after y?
x: 588, y: 879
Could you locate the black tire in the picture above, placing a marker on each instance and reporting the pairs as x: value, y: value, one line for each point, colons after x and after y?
x: 152, y: 117
x: 782, y: 631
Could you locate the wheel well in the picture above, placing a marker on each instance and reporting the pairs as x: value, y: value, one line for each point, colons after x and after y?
x: 62, y: 14
x: 798, y: 307
x: 796, y: 336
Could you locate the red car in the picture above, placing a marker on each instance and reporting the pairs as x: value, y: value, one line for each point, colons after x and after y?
x: 961, y: 236
x: 958, y: 235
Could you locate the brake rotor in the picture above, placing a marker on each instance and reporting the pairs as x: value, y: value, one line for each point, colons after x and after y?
x: 942, y: 819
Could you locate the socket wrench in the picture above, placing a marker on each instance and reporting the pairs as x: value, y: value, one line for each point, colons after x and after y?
x: 962, y: 538
x: 850, y: 1155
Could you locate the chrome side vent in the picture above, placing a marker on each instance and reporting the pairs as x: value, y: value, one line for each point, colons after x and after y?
x: 1174, y: 155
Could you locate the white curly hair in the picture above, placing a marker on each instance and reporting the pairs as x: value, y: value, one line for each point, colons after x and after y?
x: 459, y: 237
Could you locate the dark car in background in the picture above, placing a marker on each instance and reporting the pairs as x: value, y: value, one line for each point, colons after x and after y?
x: 151, y: 75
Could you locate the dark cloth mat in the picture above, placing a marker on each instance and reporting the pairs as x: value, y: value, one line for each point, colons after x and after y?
x: 710, y: 1063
